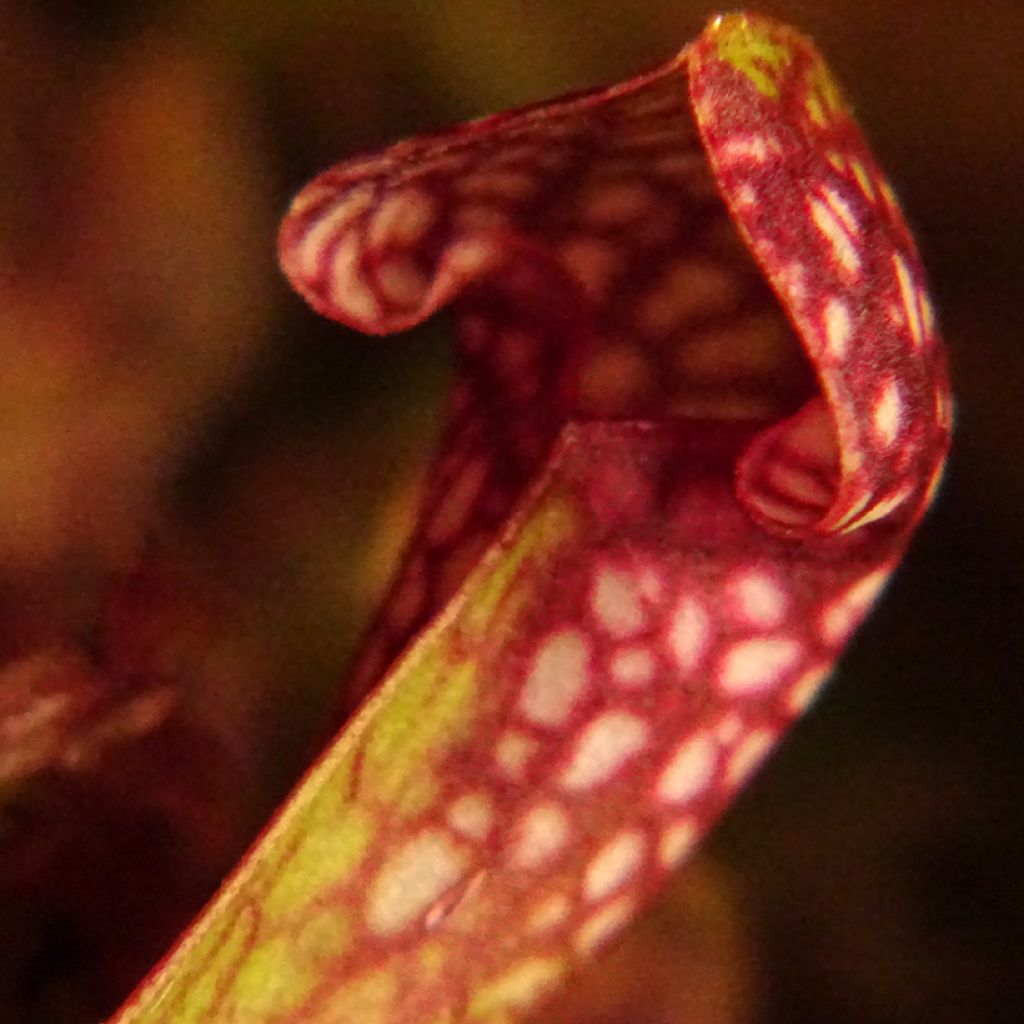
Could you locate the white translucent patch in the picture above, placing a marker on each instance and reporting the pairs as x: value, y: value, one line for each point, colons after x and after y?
x: 838, y: 327
x: 758, y: 600
x: 748, y: 755
x: 676, y: 842
x: 909, y: 297
x: 617, y: 203
x: 944, y: 407
x: 402, y: 219
x: 548, y: 913
x: 616, y: 602
x: 888, y: 413
x: 689, y: 771
x: 401, y: 282
x: 839, y: 618
x: 728, y: 729
x: 614, y: 864
x: 798, y: 483
x: 603, y: 925
x: 744, y: 149
x: 472, y: 815
x: 863, y: 179
x: 689, y: 634
x: 688, y: 288
x: 512, y: 754
x: 746, y: 196
x: 841, y: 208
x: 592, y: 263
x: 632, y: 668
x: 752, y: 666
x: 483, y: 217
x: 844, y: 524
x: 835, y: 234
x: 450, y: 516
x: 412, y: 878
x: 348, y: 289
x: 328, y: 226
x: 806, y: 688
x: 602, y: 748
x: 927, y: 313
x: 519, y: 987
x: 539, y: 836
x: 559, y: 676
x: 469, y: 257
x: 885, y: 506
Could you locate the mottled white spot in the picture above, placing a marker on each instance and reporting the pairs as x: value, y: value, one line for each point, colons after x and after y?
x: 806, y: 688
x: 327, y: 226
x: 745, y: 148
x: 934, y: 484
x: 927, y: 314
x: 616, y: 601
x: 751, y: 666
x: 748, y: 755
x: 838, y: 327
x: 944, y: 407
x: 758, y: 600
x: 884, y: 507
x: 469, y: 257
x: 450, y: 516
x: 603, y: 925
x: 686, y: 289
x: 482, y: 217
x: 614, y: 864
x: 618, y: 203
x: 689, y: 770
x: 839, y: 618
x: 539, y: 836
x: 853, y: 511
x: 909, y: 295
x: 676, y: 842
x: 591, y: 262
x: 746, y: 196
x: 512, y: 754
x: 518, y: 988
x: 602, y: 748
x: 799, y: 482
x: 558, y: 679
x: 348, y: 289
x: 689, y: 634
x: 728, y: 729
x: 548, y: 913
x: 401, y: 282
x: 472, y: 815
x: 835, y: 234
x: 402, y: 219
x: 411, y: 880
x: 632, y: 667
x: 888, y: 413
x: 841, y: 208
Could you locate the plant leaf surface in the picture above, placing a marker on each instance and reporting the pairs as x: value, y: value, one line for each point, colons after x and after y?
x: 701, y: 406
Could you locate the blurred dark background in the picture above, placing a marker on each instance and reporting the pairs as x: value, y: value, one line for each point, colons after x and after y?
x: 203, y: 488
